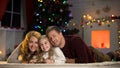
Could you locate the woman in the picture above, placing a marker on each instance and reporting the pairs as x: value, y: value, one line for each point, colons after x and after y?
x: 28, y: 50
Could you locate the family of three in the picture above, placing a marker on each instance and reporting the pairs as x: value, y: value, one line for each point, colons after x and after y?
x: 51, y: 48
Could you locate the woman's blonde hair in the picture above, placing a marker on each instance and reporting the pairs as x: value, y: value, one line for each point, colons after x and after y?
x: 24, y: 48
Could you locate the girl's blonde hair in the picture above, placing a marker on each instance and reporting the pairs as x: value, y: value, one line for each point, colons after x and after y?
x: 50, y: 52
x: 24, y: 48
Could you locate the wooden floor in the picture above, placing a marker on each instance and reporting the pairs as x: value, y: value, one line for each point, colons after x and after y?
x: 83, y: 65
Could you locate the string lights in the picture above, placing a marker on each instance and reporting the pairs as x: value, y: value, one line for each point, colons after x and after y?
x: 89, y: 20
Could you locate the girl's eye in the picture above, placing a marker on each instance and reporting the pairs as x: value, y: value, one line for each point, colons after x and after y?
x: 45, y: 42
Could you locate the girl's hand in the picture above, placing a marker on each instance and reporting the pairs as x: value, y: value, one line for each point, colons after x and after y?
x: 33, y: 61
x: 49, y: 61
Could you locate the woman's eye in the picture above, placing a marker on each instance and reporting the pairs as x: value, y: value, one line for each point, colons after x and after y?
x: 30, y: 41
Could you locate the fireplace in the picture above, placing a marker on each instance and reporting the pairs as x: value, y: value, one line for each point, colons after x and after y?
x: 100, y: 38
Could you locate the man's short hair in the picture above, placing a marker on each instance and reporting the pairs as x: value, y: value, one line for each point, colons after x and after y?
x: 50, y: 28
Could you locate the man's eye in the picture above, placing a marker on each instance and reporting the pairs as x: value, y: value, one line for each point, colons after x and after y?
x: 45, y: 42
x: 36, y: 42
x: 54, y: 36
x: 50, y: 38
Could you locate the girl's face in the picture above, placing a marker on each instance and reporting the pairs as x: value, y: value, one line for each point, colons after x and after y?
x: 45, y: 44
x: 33, y: 44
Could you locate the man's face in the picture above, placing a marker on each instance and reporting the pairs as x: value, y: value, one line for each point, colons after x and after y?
x: 55, y: 38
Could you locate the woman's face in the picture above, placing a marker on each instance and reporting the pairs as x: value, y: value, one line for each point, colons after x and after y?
x: 33, y: 44
x: 45, y: 44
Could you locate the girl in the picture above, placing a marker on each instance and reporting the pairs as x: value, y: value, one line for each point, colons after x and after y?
x: 50, y: 54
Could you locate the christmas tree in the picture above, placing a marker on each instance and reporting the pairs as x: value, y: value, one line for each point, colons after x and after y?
x: 51, y: 12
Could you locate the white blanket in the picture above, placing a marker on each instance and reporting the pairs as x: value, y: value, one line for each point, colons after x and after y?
x: 82, y: 65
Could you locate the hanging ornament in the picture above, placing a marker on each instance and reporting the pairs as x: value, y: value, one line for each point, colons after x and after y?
x: 88, y: 23
x: 98, y: 11
x: 102, y: 23
x: 99, y: 23
x: 108, y: 25
x: 82, y: 25
x: 91, y: 26
x: 106, y: 9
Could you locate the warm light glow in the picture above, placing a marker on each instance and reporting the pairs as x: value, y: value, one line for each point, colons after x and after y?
x: 118, y: 36
x: 103, y: 23
x: 98, y: 20
x: 40, y: 0
x: 73, y: 24
x: 113, y: 15
x: 113, y: 20
x: 119, y: 31
x: 89, y: 17
x: 0, y: 52
x: 88, y: 23
x: 84, y: 16
x: 100, y: 38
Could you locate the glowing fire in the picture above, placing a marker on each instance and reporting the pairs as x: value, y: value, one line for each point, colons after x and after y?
x: 100, y: 38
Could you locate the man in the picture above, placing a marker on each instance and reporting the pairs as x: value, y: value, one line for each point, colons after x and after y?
x: 74, y: 49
